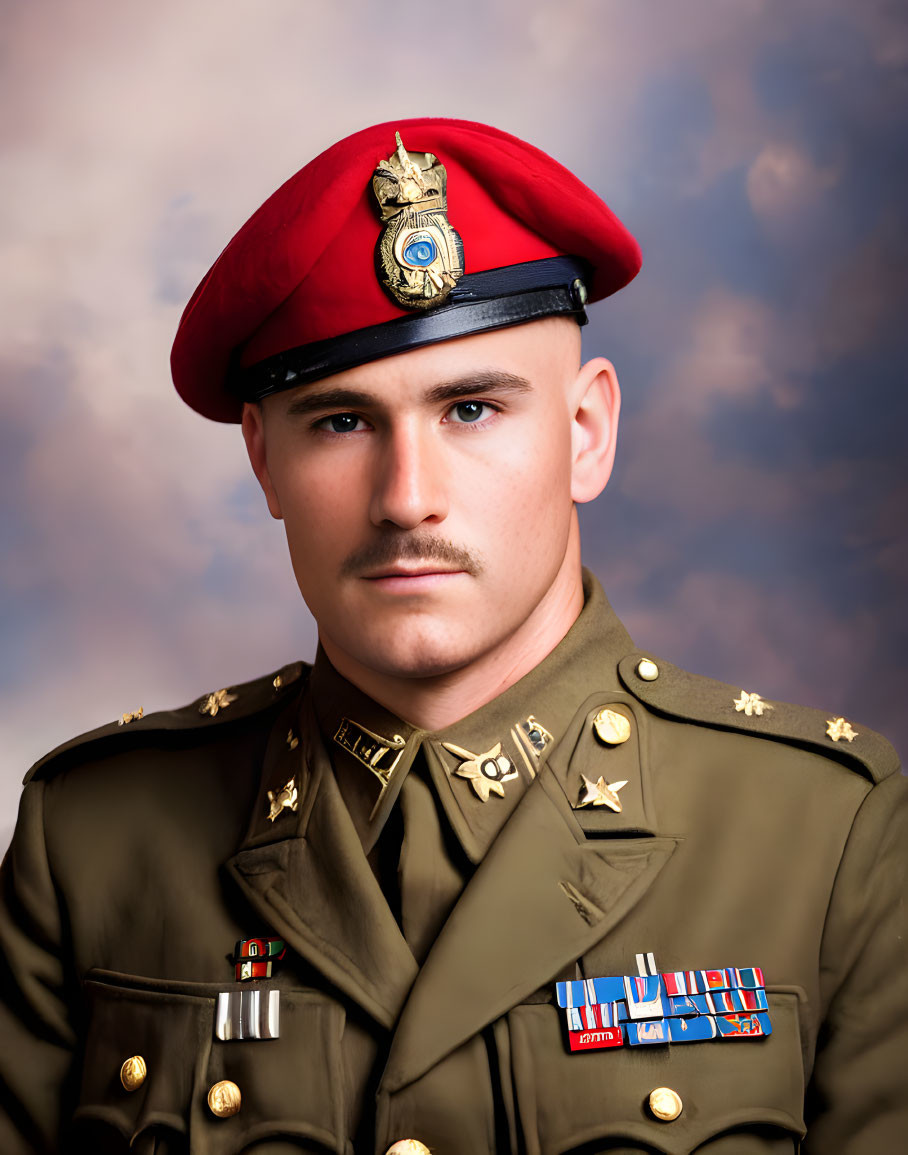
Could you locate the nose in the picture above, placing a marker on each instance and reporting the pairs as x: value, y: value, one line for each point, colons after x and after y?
x: 409, y: 486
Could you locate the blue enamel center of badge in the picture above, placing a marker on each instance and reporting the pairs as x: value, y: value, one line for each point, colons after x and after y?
x: 420, y: 251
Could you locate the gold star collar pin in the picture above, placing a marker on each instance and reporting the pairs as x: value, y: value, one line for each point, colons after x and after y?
x: 600, y: 793
x: 486, y: 772
x: 219, y: 700
x: 751, y: 704
x: 838, y: 728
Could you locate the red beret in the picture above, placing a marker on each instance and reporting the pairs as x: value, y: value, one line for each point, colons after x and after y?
x: 298, y: 293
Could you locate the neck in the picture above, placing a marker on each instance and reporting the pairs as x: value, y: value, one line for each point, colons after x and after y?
x: 433, y: 703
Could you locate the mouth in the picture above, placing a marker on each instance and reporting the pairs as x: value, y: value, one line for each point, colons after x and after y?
x: 411, y: 579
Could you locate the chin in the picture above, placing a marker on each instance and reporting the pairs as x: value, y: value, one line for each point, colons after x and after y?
x: 418, y: 663
x: 413, y: 654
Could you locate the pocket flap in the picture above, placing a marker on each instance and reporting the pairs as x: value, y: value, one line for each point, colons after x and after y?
x: 290, y: 1087
x: 568, y: 1100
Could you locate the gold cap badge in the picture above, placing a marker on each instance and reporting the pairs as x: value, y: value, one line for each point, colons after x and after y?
x: 419, y: 253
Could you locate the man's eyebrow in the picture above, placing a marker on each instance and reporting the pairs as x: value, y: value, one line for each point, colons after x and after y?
x: 337, y: 399
x: 487, y: 381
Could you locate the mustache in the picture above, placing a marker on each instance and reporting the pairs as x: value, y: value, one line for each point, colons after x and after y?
x: 393, y: 547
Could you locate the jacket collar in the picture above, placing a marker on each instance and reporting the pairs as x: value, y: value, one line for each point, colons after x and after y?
x: 520, y: 728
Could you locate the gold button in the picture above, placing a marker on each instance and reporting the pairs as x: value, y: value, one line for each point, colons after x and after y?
x: 611, y: 727
x: 224, y: 1099
x: 647, y: 670
x: 133, y: 1072
x: 408, y: 1147
x: 665, y: 1104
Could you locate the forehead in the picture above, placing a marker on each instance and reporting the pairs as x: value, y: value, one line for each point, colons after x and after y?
x: 537, y: 353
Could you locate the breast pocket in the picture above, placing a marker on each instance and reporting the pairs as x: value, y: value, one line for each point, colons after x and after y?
x: 155, y: 1078
x: 735, y: 1095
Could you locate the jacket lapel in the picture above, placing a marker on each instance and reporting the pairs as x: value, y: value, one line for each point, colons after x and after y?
x: 541, y: 898
x: 308, y: 878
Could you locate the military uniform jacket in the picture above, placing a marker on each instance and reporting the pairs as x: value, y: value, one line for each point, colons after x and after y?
x: 749, y: 834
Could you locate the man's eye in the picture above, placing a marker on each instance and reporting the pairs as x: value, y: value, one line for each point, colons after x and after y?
x: 340, y: 423
x: 469, y: 412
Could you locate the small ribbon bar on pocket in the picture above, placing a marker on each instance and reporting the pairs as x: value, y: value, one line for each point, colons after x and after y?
x: 249, y: 1014
x: 678, y: 1007
x: 253, y: 957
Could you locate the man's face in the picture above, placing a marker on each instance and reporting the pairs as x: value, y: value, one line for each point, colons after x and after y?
x: 427, y: 497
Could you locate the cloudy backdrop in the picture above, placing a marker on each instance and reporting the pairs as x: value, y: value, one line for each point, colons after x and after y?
x: 755, y: 527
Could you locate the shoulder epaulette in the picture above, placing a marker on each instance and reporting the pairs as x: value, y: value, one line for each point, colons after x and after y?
x: 220, y: 707
x: 674, y: 692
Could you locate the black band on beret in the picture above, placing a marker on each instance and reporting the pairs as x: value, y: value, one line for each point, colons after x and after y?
x: 479, y: 302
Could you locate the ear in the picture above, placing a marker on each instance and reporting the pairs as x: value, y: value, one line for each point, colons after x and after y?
x: 596, y: 401
x: 254, y: 436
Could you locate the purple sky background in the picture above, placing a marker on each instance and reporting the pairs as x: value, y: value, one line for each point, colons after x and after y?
x: 754, y: 529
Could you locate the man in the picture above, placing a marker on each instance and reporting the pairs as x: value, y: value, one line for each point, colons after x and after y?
x: 485, y: 878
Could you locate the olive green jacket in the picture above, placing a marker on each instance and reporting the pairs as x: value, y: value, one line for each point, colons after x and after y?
x: 747, y: 836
